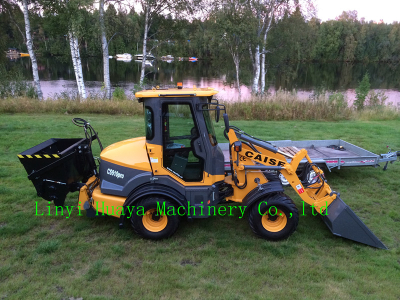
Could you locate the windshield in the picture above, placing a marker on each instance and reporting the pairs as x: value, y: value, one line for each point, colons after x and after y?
x: 210, y: 126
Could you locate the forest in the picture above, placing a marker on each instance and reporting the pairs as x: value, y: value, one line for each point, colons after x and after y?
x: 252, y: 34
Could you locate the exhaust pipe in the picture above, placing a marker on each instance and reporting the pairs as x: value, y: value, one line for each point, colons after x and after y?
x: 343, y: 222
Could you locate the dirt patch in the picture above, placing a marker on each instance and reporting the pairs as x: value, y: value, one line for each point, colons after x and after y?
x: 188, y: 262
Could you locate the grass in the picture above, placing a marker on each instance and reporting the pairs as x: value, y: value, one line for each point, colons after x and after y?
x: 280, y: 106
x: 51, y: 257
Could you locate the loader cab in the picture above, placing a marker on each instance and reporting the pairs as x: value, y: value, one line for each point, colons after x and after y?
x: 180, y: 136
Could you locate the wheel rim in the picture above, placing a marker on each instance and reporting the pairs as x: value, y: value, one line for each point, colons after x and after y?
x: 153, y: 222
x: 274, y: 222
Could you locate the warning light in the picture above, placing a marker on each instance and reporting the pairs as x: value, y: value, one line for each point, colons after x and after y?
x: 237, y: 146
x: 180, y: 85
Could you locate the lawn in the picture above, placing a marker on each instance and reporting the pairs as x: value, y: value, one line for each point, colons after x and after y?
x: 54, y: 257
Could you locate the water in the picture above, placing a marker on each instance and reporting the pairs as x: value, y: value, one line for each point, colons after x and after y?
x: 307, y: 79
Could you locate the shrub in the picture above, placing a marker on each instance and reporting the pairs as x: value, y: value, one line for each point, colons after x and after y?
x: 12, y: 84
x: 362, y: 92
x: 119, y: 93
x: 338, y: 99
x: 376, y: 99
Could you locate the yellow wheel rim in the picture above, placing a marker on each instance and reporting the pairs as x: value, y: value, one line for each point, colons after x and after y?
x: 154, y: 223
x: 275, y: 221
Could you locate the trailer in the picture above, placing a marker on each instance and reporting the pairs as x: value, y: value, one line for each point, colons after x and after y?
x: 329, y: 154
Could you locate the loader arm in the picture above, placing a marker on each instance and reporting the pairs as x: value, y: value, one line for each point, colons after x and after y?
x: 252, y: 156
x: 318, y: 194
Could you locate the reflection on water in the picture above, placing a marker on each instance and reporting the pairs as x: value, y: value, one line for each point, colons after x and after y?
x: 57, y: 75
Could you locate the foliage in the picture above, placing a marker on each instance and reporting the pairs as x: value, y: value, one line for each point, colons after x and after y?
x: 376, y: 99
x: 362, y: 92
x: 12, y: 84
x: 338, y: 99
x: 294, y: 37
x: 119, y: 93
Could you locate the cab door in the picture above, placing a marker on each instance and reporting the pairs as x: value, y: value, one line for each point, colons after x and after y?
x: 183, y: 149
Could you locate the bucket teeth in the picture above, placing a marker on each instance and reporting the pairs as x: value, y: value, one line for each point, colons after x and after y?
x: 342, y: 221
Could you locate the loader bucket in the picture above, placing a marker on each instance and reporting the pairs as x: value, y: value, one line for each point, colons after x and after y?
x: 57, y: 165
x: 342, y: 221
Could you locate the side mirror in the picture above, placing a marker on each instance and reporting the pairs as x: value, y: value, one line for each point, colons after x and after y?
x: 217, y: 112
x: 226, y: 121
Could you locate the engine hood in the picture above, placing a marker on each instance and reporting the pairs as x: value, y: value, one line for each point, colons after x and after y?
x: 130, y: 153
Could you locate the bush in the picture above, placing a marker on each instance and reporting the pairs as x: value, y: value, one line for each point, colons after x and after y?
x: 376, y: 100
x: 338, y: 99
x: 119, y: 93
x: 12, y: 84
x: 30, y: 92
x: 362, y: 92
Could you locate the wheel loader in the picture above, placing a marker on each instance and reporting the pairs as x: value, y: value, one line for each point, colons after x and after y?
x: 177, y: 171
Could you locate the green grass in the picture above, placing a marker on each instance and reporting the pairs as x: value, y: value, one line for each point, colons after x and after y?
x: 49, y: 257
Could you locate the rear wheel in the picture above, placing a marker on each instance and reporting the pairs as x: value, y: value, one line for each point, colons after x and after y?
x: 274, y: 218
x: 151, y: 222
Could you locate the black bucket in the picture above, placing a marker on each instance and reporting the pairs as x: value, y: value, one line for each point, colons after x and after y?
x: 57, y: 166
x: 343, y: 222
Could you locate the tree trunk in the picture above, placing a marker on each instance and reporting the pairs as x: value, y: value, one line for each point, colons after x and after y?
x: 104, y: 45
x: 263, y: 72
x: 146, y: 28
x: 76, y: 60
x: 73, y: 56
x: 29, y: 44
x: 256, y: 70
x: 237, y: 61
x: 263, y: 63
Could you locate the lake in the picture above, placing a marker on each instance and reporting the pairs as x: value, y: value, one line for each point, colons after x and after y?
x: 307, y: 79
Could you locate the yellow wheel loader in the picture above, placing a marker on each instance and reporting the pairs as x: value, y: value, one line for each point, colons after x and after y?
x: 178, y: 171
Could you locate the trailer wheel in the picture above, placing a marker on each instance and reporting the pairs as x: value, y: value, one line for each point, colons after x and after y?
x: 153, y: 221
x: 274, y: 218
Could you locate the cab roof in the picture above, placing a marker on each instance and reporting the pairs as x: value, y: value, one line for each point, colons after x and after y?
x: 175, y: 92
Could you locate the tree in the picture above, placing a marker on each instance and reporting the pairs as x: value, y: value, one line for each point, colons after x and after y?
x: 29, y: 44
x: 231, y: 26
x: 265, y: 12
x: 104, y: 47
x: 70, y: 15
x: 362, y: 92
x: 153, y: 8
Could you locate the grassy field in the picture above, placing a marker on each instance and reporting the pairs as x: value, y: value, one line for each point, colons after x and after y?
x: 52, y: 257
x: 280, y: 106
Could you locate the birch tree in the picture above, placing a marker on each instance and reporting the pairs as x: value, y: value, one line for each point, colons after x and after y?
x: 232, y: 21
x: 268, y: 12
x: 29, y: 44
x: 265, y: 11
x: 69, y: 16
x: 104, y: 46
x: 152, y: 8
x: 77, y: 62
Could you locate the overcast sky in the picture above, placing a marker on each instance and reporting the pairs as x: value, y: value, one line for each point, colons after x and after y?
x: 388, y: 10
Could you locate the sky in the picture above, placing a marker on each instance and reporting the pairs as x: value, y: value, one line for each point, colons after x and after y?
x: 388, y: 10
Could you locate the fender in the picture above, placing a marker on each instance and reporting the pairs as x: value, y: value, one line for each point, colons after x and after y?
x: 267, y: 188
x: 151, y: 189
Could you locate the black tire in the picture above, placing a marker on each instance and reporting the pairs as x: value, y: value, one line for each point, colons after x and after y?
x: 274, y: 218
x: 151, y: 224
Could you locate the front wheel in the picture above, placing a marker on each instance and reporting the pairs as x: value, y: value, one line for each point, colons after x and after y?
x: 152, y: 223
x: 274, y: 218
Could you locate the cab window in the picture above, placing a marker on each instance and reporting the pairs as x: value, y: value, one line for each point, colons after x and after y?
x: 210, y: 127
x: 179, y: 133
x: 148, y: 123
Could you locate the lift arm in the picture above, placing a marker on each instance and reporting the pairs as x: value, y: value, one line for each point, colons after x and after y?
x: 253, y: 156
x: 267, y: 157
